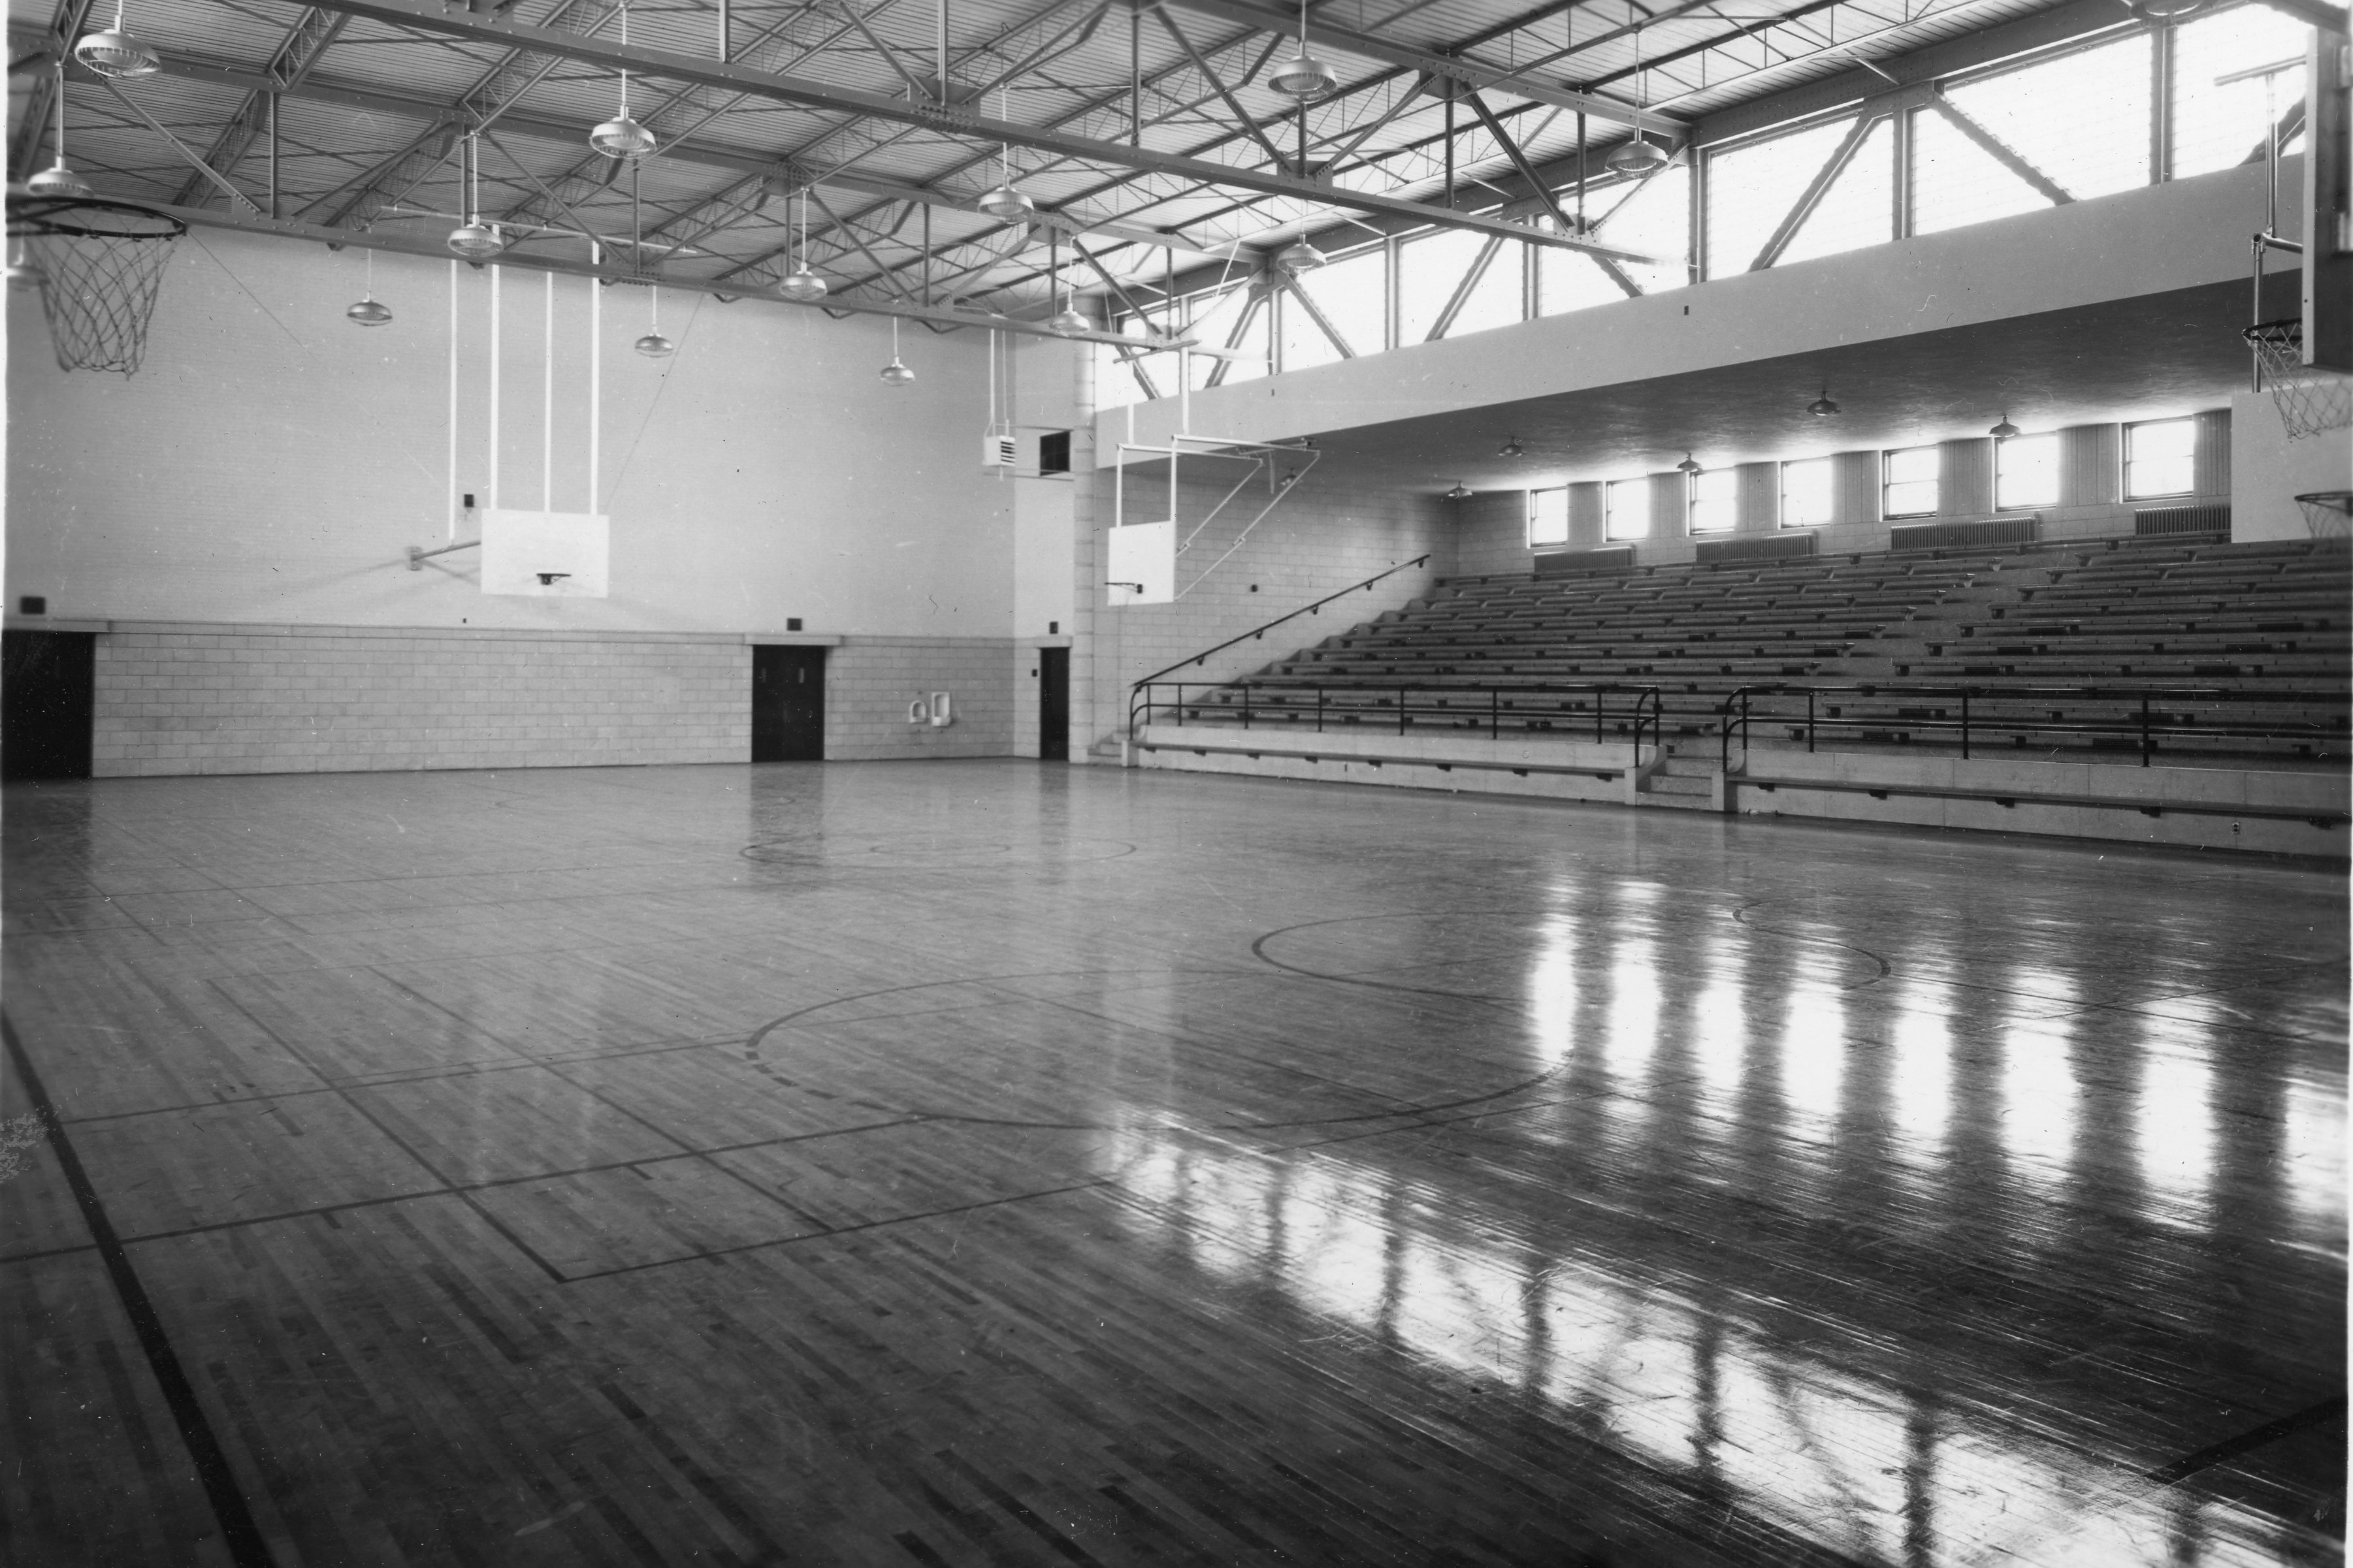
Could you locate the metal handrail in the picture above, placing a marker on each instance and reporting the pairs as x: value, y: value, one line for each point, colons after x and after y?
x: 1647, y: 708
x: 1738, y: 711
x: 1262, y: 631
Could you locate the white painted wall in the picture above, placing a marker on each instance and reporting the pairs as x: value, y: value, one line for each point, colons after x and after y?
x: 272, y: 461
x: 2268, y: 471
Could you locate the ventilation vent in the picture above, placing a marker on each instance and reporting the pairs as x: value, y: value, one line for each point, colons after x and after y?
x: 1763, y: 547
x: 1988, y: 533
x: 2160, y: 521
x: 1576, y: 562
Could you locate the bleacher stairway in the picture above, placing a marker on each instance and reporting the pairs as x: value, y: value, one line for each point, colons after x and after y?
x: 2232, y: 659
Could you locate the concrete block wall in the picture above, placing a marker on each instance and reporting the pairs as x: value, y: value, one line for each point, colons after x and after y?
x: 869, y: 681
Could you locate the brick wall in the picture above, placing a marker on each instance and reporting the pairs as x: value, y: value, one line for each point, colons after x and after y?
x: 192, y: 697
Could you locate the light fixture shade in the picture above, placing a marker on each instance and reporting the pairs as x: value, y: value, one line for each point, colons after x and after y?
x: 1006, y: 201
x: 1823, y: 407
x: 1070, y: 322
x: 623, y: 138
x: 801, y: 285
x: 1690, y: 464
x: 369, y: 313
x: 1638, y: 156
x: 2003, y: 431
x: 896, y: 373
x: 1303, y: 76
x: 1511, y: 449
x: 57, y: 180
x: 653, y: 345
x: 2166, y: 10
x: 116, y: 53
x: 1298, y: 256
x: 476, y: 240
x: 1461, y: 491
x: 24, y: 278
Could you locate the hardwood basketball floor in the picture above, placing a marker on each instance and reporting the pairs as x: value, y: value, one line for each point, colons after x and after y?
x: 1000, y: 1164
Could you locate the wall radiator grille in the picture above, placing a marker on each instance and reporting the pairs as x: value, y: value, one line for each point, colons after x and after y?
x: 1758, y: 547
x: 1576, y: 562
x: 1983, y: 533
x: 2159, y: 521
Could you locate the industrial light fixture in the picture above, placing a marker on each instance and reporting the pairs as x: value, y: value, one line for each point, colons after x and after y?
x: 57, y: 180
x: 1004, y: 200
x: 2165, y: 10
x: 622, y: 137
x: 1639, y: 155
x: 896, y: 373
x: 1823, y: 407
x: 1298, y: 256
x: 1511, y: 448
x: 1690, y: 464
x: 2005, y: 430
x: 369, y: 311
x: 1069, y: 320
x: 1303, y: 76
x: 115, y: 53
x: 474, y: 239
x: 1461, y: 491
x: 801, y: 285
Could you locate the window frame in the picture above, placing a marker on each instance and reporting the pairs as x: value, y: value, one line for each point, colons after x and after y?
x: 1691, y: 499
x: 1781, y: 493
x: 1888, y: 481
x: 1530, y: 531
x: 1609, y: 491
x: 2125, y: 478
x: 2058, y: 474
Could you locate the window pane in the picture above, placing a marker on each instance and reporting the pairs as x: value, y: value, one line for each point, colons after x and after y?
x: 1567, y: 280
x: 1751, y: 189
x: 1806, y: 493
x: 1911, y: 483
x: 2159, y: 458
x: 1629, y: 508
x: 2026, y: 471
x: 1212, y: 321
x: 1859, y: 208
x: 2217, y: 126
x: 2081, y: 119
x: 1715, y: 501
x: 1547, y: 516
x: 1429, y: 269
x: 1353, y: 295
x: 1115, y: 383
x: 1655, y: 219
x: 1304, y: 343
x: 1911, y: 465
x: 1955, y: 182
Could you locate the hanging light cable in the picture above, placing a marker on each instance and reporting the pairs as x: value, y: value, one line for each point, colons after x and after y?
x: 1639, y: 155
x: 57, y: 180
x: 115, y: 53
x: 896, y: 373
x: 653, y: 345
x: 801, y: 285
x: 474, y: 239
x: 1303, y: 76
x: 368, y: 312
x: 1002, y: 200
x: 622, y: 137
x: 1069, y: 320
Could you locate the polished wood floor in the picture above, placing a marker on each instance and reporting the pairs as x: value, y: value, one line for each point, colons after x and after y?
x: 1000, y: 1164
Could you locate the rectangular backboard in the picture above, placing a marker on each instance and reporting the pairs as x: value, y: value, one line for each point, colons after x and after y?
x: 545, y: 554
x: 1143, y: 563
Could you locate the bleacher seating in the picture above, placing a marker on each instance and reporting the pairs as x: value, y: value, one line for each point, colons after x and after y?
x: 2233, y: 649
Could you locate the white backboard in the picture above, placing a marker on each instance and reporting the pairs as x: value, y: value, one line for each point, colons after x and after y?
x: 545, y: 554
x: 1143, y: 563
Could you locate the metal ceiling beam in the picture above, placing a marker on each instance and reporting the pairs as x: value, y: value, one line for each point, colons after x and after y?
x: 40, y: 101
x: 369, y: 239
x: 1816, y: 189
x: 292, y: 60
x: 2001, y: 152
x: 427, y: 16
x: 438, y: 117
x: 1461, y: 69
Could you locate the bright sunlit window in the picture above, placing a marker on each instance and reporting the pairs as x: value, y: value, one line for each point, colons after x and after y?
x: 1911, y: 485
x: 1715, y: 501
x: 1547, y: 517
x: 2159, y: 458
x: 2026, y: 472
x: 1806, y: 490
x: 1628, y: 502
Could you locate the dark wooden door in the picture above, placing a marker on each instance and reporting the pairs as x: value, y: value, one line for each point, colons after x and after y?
x: 788, y: 704
x: 1054, y: 704
x: 46, y: 682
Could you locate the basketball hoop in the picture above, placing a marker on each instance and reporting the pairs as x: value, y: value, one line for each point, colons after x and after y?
x: 2328, y: 513
x: 2310, y: 400
x: 100, y: 265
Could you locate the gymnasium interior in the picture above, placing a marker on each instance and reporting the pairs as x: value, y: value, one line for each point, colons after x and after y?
x: 1130, y: 781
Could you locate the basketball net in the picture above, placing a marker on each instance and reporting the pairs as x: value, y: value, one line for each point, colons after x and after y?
x: 2310, y: 400
x: 2328, y: 513
x: 100, y: 264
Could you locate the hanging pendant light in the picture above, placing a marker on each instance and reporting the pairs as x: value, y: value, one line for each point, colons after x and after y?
x: 115, y: 53
x: 1823, y: 407
x: 622, y: 137
x: 1461, y: 491
x: 369, y: 311
x: 1069, y: 320
x: 1298, y: 256
x: 1303, y: 76
x: 896, y: 373
x: 801, y: 285
x: 1003, y: 200
x: 653, y: 345
x: 1511, y: 448
x: 57, y: 180
x: 474, y: 239
x: 1639, y: 155
x: 2005, y: 430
